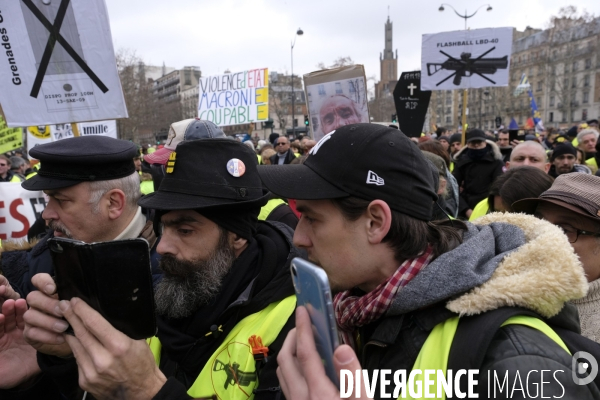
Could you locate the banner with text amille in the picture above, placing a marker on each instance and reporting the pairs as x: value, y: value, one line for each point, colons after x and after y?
x: 233, y: 99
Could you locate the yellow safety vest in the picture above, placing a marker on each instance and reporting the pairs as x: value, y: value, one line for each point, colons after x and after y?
x: 480, y: 210
x: 268, y: 208
x: 436, y: 350
x: 230, y: 373
x: 146, y: 187
x: 592, y: 164
x: 16, y: 179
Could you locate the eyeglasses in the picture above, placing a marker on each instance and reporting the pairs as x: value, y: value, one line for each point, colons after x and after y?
x: 573, y: 234
x: 281, y: 143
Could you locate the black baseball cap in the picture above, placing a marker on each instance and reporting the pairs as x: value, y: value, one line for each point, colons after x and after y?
x: 367, y: 161
x: 79, y: 159
x: 209, y: 173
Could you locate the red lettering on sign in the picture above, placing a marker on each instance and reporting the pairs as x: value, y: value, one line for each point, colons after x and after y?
x: 19, y: 217
x: 2, y: 221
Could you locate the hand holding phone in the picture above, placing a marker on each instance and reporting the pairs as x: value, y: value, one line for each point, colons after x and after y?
x: 114, y: 278
x: 313, y: 292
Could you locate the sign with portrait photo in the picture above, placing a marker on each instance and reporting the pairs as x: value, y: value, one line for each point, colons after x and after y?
x: 336, y: 97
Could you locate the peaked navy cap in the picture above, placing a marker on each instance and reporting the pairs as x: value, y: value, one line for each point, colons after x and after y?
x: 79, y: 159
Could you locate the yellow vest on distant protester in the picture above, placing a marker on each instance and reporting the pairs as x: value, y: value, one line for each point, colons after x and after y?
x: 480, y: 210
x: 268, y: 208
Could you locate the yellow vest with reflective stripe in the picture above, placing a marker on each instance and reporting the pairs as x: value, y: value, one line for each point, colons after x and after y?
x: 230, y: 373
x: 16, y: 179
x: 436, y: 350
x: 268, y: 208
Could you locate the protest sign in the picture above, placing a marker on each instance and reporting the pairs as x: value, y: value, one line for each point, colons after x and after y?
x: 336, y: 97
x: 466, y: 59
x: 104, y: 128
x: 10, y: 138
x: 63, y: 131
x: 19, y: 208
x: 411, y: 103
x: 37, y: 135
x: 58, y: 63
x: 233, y: 99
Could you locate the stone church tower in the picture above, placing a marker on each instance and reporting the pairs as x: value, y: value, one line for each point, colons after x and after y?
x: 388, y: 64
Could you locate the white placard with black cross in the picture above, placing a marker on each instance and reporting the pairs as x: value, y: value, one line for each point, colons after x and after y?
x: 57, y: 63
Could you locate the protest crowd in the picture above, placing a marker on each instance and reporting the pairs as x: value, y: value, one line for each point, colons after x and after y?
x: 415, y: 235
x: 352, y: 259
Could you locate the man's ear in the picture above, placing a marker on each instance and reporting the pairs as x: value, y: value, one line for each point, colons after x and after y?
x: 238, y: 243
x: 379, y: 219
x: 115, y: 201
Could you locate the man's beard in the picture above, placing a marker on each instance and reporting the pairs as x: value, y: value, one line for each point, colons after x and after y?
x: 57, y: 226
x: 189, y: 284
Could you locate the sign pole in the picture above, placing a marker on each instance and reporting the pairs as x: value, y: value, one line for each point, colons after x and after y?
x: 464, y: 117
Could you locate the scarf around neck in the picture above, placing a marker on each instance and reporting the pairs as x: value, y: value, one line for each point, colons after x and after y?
x: 352, y: 311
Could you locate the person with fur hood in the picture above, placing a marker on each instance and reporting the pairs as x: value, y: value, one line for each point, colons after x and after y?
x: 476, y: 166
x: 409, y: 291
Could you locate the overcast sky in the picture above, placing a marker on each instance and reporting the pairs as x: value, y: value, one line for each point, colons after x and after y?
x: 244, y: 34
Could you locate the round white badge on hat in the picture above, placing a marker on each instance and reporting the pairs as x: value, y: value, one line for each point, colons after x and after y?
x: 236, y: 167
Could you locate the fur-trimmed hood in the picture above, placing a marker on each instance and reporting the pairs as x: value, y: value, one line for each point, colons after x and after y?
x: 504, y: 260
x: 495, y: 151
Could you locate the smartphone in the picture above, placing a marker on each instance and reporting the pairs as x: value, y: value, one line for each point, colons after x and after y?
x: 513, y: 134
x: 313, y: 292
x: 114, y: 278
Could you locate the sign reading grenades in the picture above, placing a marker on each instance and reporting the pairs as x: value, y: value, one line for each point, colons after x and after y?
x: 411, y: 103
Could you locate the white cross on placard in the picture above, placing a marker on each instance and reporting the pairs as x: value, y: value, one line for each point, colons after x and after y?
x: 412, y: 87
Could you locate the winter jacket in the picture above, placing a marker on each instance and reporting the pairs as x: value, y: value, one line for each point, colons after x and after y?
x: 476, y: 176
x: 503, y: 261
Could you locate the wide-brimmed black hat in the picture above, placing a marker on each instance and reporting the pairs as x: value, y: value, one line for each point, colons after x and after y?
x: 71, y: 161
x: 209, y: 173
x: 367, y: 161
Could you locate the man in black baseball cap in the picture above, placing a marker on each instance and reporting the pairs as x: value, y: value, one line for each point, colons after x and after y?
x: 366, y: 195
x: 226, y: 297
x: 92, y: 190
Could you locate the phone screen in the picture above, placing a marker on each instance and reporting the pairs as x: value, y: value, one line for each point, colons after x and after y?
x: 313, y: 292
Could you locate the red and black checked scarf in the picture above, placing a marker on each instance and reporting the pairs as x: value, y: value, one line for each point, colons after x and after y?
x: 353, y: 311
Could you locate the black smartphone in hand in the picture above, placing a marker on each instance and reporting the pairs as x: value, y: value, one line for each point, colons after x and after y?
x: 114, y: 278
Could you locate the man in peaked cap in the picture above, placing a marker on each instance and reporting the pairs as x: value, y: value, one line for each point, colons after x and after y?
x: 225, y: 301
x: 402, y: 281
x: 92, y: 190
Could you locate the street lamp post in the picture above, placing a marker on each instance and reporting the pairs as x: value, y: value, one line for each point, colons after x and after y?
x: 299, y: 32
x: 466, y: 16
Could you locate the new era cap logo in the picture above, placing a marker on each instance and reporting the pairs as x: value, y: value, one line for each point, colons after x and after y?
x: 374, y: 179
x: 325, y: 138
